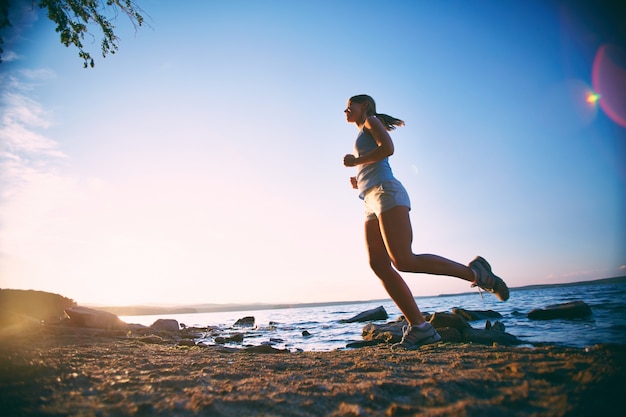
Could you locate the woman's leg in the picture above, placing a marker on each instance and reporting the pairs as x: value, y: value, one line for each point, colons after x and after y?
x: 392, y: 281
x: 397, y: 235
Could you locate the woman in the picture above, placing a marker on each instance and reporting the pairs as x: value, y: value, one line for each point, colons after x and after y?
x: 388, y: 233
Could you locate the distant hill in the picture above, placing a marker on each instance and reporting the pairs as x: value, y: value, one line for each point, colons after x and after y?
x: 604, y: 281
x: 146, y: 310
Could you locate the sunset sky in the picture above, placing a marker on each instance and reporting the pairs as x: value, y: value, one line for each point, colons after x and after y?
x: 202, y: 163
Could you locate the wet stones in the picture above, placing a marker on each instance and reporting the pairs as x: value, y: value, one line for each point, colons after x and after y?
x: 452, y: 328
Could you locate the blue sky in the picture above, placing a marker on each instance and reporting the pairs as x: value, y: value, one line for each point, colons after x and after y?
x: 203, y: 161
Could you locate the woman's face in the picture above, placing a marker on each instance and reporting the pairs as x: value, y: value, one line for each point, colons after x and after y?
x: 355, y: 112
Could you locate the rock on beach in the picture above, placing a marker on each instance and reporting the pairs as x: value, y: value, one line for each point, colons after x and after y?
x: 170, y: 325
x: 571, y: 310
x: 94, y: 319
x: 378, y: 313
x: 245, y: 322
x: 473, y: 315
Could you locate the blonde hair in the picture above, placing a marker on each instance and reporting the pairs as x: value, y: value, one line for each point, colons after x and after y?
x: 390, y: 122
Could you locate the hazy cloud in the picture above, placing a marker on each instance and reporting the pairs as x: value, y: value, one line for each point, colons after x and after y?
x: 8, y: 56
x: 24, y: 146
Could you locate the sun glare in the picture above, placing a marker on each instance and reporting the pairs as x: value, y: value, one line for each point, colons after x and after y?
x: 592, y: 97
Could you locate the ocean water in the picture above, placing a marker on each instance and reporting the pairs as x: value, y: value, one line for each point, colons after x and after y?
x: 283, y: 328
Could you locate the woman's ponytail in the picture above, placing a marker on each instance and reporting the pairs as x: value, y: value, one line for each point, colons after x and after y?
x: 390, y: 122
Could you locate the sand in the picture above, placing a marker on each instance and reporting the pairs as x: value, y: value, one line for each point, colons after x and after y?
x: 111, y: 374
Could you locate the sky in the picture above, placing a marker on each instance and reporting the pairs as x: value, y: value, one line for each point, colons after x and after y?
x: 202, y: 162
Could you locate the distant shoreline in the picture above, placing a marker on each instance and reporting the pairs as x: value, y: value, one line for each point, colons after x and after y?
x: 602, y: 281
x: 220, y: 308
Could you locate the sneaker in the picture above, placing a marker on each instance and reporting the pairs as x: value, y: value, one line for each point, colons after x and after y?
x: 487, y: 280
x: 413, y: 337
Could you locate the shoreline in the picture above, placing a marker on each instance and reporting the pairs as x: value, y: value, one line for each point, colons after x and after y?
x: 107, y: 374
x: 140, y: 310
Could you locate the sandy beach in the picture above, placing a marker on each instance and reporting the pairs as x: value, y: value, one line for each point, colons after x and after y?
x: 114, y: 374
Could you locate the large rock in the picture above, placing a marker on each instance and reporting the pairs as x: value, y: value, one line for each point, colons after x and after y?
x: 378, y: 313
x: 245, y: 322
x: 571, y: 310
x: 450, y: 334
x: 473, y: 315
x: 390, y: 332
x: 441, y: 319
x: 169, y: 325
x: 94, y: 319
x: 38, y: 305
x: 491, y: 334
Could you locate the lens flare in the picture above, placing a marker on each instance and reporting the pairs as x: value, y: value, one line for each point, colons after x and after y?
x: 609, y: 81
x: 592, y: 98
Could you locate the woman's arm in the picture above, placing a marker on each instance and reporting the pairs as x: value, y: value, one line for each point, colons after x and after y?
x: 382, y: 138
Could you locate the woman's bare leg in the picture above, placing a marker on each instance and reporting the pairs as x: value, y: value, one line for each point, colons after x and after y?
x: 392, y: 281
x: 397, y: 235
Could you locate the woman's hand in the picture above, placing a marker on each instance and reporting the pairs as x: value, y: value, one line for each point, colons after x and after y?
x: 353, y: 182
x: 349, y: 160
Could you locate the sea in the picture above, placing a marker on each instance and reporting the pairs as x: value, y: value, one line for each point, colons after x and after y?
x: 320, y: 328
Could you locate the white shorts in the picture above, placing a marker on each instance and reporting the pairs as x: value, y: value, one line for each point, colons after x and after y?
x: 385, y: 196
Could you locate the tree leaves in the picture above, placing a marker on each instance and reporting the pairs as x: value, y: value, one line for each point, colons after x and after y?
x: 73, y: 17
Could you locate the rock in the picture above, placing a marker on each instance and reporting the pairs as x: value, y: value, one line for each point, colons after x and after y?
x: 236, y: 338
x: 38, y: 305
x: 571, y: 310
x: 306, y: 333
x: 489, y: 337
x: 169, y: 325
x: 388, y: 333
x: 265, y: 349
x: 451, y: 327
x: 245, y: 322
x: 473, y: 315
x: 95, y: 319
x: 378, y: 313
x: 186, y: 342
x: 363, y: 343
x: 439, y: 320
x: 450, y: 334
x: 497, y: 326
x: 448, y: 325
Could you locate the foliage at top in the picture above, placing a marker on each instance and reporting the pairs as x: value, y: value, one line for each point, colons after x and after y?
x: 72, y: 18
